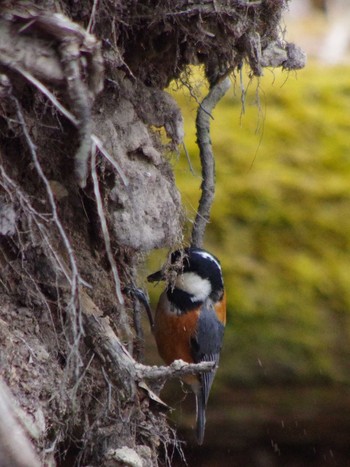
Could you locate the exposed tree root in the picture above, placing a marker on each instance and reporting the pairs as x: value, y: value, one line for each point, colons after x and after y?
x: 204, y: 114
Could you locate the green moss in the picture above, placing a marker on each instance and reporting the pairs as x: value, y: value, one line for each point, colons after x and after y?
x: 281, y: 223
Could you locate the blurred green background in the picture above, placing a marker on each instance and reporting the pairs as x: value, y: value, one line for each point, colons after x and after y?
x: 280, y: 225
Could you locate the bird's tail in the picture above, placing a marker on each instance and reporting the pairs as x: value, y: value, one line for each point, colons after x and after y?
x: 200, y: 409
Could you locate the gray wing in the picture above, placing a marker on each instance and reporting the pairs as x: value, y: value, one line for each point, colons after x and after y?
x: 207, y: 343
x: 206, y: 346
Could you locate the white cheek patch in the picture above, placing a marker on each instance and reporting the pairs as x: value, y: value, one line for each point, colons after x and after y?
x: 196, y: 286
x: 206, y: 255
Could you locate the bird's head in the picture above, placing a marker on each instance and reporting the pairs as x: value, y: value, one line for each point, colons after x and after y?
x: 193, y: 275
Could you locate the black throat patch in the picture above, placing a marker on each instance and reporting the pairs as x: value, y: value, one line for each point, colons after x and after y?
x: 182, y: 300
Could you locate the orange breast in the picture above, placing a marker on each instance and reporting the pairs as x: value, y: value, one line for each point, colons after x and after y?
x: 173, y: 332
x: 220, y: 309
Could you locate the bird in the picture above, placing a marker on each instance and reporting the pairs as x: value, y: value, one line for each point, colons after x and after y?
x: 190, y: 318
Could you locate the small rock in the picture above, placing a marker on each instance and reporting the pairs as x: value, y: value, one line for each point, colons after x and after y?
x: 126, y: 457
x: 7, y: 219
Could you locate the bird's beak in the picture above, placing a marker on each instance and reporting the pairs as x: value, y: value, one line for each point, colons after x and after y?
x: 156, y: 276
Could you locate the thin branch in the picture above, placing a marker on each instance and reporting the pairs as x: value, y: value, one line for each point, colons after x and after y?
x: 81, y: 377
x: 188, y: 158
x: 141, y: 296
x: 177, y: 369
x: 104, y: 228
x: 207, y: 159
x: 44, y: 90
x: 92, y: 19
x: 243, y: 91
x: 110, y: 159
x: 193, y: 95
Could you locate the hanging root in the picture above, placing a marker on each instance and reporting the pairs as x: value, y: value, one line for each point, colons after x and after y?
x: 204, y: 114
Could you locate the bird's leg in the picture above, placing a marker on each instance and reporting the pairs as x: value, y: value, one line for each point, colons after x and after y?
x: 141, y: 296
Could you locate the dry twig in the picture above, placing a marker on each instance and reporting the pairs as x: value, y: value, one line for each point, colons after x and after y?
x: 177, y: 369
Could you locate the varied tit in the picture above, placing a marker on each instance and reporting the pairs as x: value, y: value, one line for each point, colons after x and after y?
x: 190, y: 318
